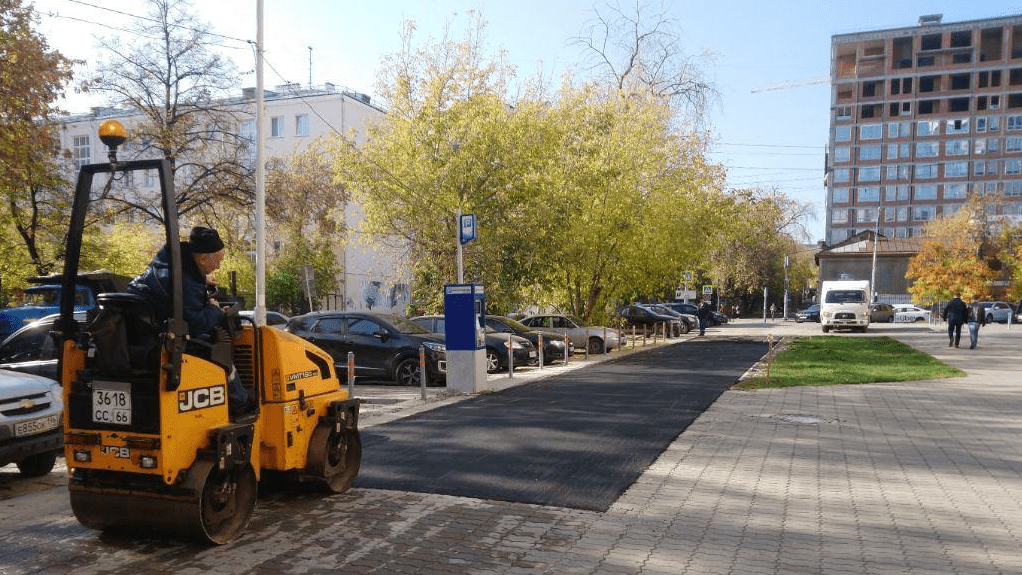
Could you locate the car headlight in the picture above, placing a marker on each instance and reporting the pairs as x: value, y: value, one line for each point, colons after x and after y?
x: 434, y: 346
x: 514, y: 344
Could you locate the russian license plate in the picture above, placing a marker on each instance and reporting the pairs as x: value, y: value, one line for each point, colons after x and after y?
x: 111, y: 402
x: 36, y: 425
x: 533, y: 354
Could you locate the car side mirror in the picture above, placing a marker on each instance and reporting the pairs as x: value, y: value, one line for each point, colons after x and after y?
x: 383, y: 336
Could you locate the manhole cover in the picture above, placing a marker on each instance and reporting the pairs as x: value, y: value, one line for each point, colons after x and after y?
x: 804, y: 419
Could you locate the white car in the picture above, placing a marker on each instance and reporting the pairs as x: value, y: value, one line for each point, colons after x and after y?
x: 907, y: 313
x: 581, y: 334
x: 31, y: 408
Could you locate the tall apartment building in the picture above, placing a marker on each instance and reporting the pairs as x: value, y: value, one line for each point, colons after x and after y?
x: 922, y: 117
x: 295, y: 116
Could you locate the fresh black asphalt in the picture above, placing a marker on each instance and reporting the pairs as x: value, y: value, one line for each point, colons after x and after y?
x: 576, y: 440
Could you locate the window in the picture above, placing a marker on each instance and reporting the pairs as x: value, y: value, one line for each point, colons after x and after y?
x: 869, y: 174
x: 956, y: 169
x: 927, y: 149
x: 926, y: 171
x: 866, y: 215
x: 926, y: 192
x: 1012, y: 166
x: 923, y: 213
x: 951, y: 209
x: 959, y: 126
x: 870, y: 152
x: 839, y: 195
x: 892, y: 151
x: 277, y: 127
x: 956, y: 190
x: 1014, y: 123
x: 82, y: 151
x: 842, y: 154
x: 1013, y: 144
x: 981, y: 124
x: 364, y: 326
x: 993, y: 123
x: 899, y: 172
x: 869, y: 194
x: 842, y: 175
x: 871, y: 132
x: 956, y: 147
x: 839, y: 215
x: 842, y: 133
x: 302, y: 125
x: 896, y: 193
x: 930, y: 127
x: 903, y: 214
x: 844, y: 113
x: 978, y: 169
x: 1013, y: 189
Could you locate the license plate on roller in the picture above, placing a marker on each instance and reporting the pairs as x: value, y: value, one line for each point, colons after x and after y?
x: 111, y: 402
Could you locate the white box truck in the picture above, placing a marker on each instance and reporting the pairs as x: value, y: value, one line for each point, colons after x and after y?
x: 844, y: 304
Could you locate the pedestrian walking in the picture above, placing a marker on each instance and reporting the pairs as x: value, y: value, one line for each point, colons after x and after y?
x: 976, y: 318
x: 773, y: 310
x: 955, y: 314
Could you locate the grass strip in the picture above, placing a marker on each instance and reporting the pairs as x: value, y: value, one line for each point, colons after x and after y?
x: 829, y: 360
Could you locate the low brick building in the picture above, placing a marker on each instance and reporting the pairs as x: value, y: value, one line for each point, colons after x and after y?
x: 853, y: 259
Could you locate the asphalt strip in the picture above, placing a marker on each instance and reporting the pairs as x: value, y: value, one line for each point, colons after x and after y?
x: 575, y: 440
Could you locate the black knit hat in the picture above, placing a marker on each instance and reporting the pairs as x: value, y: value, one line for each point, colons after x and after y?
x: 205, y: 240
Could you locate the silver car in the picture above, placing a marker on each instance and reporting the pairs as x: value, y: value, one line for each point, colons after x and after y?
x: 596, y: 339
x: 31, y: 408
x: 998, y: 311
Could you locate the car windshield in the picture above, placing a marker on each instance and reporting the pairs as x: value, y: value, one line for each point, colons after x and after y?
x: 663, y: 310
x: 846, y: 296
x: 513, y: 324
x: 403, y: 325
x: 578, y: 321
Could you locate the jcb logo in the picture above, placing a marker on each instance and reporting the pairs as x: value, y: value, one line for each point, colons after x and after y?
x: 201, y: 398
x: 119, y: 452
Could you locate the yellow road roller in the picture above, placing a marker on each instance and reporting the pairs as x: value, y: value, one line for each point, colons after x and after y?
x: 148, y: 438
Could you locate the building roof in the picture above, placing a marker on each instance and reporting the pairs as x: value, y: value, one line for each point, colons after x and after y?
x: 861, y: 244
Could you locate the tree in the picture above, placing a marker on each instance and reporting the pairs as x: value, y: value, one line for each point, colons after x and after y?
x: 32, y: 77
x: 641, y: 50
x: 177, y: 84
x: 949, y: 260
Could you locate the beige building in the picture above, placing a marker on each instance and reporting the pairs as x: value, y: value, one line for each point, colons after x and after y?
x: 921, y: 118
x: 295, y: 116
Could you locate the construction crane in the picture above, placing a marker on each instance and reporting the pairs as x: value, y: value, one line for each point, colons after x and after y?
x: 792, y: 84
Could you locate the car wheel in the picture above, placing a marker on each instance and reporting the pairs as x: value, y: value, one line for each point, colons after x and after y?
x: 684, y: 328
x: 407, y: 372
x: 990, y: 318
x: 918, y: 319
x: 890, y: 319
x: 37, y: 465
x: 492, y: 361
x: 595, y: 345
x: 826, y: 328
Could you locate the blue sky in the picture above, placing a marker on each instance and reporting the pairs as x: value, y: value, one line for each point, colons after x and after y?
x: 766, y: 58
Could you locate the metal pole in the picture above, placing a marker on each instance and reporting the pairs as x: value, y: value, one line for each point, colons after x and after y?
x: 351, y: 374
x: 457, y: 238
x: 540, y: 350
x: 510, y: 358
x: 567, y: 342
x: 260, y: 183
x: 422, y: 370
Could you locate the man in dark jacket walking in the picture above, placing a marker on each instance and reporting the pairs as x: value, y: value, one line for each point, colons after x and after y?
x: 955, y: 314
x: 977, y: 317
x: 703, y: 313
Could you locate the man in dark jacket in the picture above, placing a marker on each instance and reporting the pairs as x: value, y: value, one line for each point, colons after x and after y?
x: 703, y: 313
x: 977, y: 317
x: 201, y: 255
x: 955, y: 314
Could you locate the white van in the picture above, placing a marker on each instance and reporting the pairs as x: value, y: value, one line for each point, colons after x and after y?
x: 844, y: 304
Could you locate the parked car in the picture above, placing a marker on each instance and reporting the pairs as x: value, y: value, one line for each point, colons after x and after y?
x: 716, y: 318
x: 497, y: 344
x: 553, y: 343
x: 31, y: 408
x: 881, y: 313
x: 32, y: 350
x: 910, y: 313
x: 591, y: 337
x: 689, y: 322
x: 650, y: 321
x: 998, y: 311
x: 385, y: 346
x: 811, y: 313
x: 273, y: 318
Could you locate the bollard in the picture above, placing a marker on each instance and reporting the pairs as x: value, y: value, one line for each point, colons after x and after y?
x: 587, y: 345
x: 566, y: 343
x: 604, y: 340
x: 633, y: 337
x: 510, y: 358
x: 422, y: 370
x: 351, y: 374
x: 539, y: 350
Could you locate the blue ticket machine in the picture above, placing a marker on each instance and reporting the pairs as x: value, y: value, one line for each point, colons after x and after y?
x: 465, y: 315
